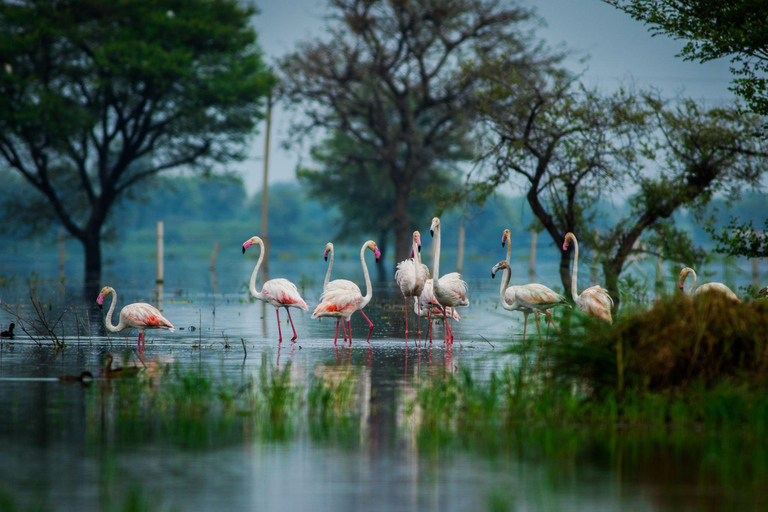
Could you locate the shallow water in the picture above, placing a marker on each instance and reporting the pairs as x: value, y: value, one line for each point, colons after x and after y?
x: 54, y: 453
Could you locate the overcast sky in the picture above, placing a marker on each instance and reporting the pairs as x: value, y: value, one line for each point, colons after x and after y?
x: 619, y: 49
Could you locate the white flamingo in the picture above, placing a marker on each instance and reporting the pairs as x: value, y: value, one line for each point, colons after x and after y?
x: 410, y: 277
x: 528, y: 298
x: 595, y: 300
x: 138, y: 316
x: 704, y: 288
x: 426, y: 305
x: 450, y: 290
x: 281, y: 293
x: 342, y: 297
x: 333, y: 314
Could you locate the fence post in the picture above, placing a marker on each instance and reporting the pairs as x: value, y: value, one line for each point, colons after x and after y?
x: 532, y: 259
x: 460, y: 251
x: 265, y: 193
x: 160, y: 275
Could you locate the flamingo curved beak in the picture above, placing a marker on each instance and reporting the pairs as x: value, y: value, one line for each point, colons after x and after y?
x: 431, y: 232
x: 503, y: 241
x: 377, y: 253
x: 565, y: 246
x: 100, y: 300
x: 325, y: 255
x: 418, y: 243
x: 246, y: 245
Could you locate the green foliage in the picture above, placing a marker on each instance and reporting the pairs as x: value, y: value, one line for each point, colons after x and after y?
x: 740, y: 238
x: 714, y: 29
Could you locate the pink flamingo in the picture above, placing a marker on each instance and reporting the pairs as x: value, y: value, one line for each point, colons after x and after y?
x: 410, y: 277
x: 426, y: 305
x: 704, y: 288
x: 595, y: 300
x: 332, y: 314
x: 281, y: 293
x: 342, y: 297
x: 450, y: 290
x: 138, y: 316
x: 524, y: 295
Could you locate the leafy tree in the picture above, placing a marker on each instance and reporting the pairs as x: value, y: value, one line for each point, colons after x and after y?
x: 569, y: 146
x: 97, y: 96
x: 346, y: 171
x: 389, y: 75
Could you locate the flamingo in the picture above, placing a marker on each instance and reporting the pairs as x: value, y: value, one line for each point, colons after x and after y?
x: 411, y: 275
x: 704, y: 288
x: 426, y: 305
x: 594, y: 301
x: 333, y: 314
x: 342, y: 297
x: 450, y: 290
x: 138, y: 316
x: 281, y: 293
x: 543, y: 295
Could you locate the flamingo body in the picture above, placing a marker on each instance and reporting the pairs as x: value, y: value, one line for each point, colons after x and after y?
x: 450, y: 290
x: 411, y: 275
x: 139, y: 316
x: 704, y: 288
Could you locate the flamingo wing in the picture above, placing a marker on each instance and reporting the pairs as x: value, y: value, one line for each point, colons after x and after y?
x: 341, y: 300
x: 596, y: 302
x: 283, y: 293
x: 538, y: 296
x: 717, y: 288
x: 145, y: 316
x: 406, y: 276
x: 454, y: 289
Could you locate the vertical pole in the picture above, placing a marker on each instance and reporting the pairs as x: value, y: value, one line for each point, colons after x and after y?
x: 532, y: 259
x: 62, y: 255
x: 265, y: 193
x: 160, y: 279
x: 460, y: 251
x: 214, y: 257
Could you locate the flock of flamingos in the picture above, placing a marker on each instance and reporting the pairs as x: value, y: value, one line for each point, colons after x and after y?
x: 435, y: 296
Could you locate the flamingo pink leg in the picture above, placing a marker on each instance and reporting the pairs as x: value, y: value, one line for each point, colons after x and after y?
x: 370, y: 325
x: 343, y: 329
x: 292, y: 327
x: 336, y: 337
x: 279, y: 331
x: 141, y: 342
x: 525, y: 326
x: 406, y: 318
x: 349, y: 328
x: 451, y: 326
x: 429, y: 324
x: 418, y: 319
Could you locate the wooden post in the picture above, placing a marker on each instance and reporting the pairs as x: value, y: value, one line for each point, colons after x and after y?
x: 160, y: 275
x: 532, y: 259
x: 62, y: 255
x: 265, y: 193
x: 460, y: 251
x: 214, y: 257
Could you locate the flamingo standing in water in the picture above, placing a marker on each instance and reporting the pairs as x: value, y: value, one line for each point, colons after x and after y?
x: 528, y: 298
x: 333, y: 314
x: 138, y: 316
x: 595, y: 300
x: 410, y: 277
x: 450, y: 290
x: 704, y: 288
x: 426, y: 305
x: 281, y: 293
x: 342, y: 297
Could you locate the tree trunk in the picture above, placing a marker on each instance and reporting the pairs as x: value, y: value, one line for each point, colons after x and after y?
x: 612, y: 270
x: 402, y: 222
x: 92, y: 249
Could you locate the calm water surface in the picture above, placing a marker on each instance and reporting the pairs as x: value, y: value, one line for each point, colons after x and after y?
x: 48, y: 455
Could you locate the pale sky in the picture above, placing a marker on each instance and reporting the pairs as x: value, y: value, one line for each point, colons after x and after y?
x: 619, y: 48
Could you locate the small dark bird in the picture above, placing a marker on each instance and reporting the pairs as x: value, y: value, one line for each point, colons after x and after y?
x: 9, y: 333
x: 119, y: 372
x: 84, y: 378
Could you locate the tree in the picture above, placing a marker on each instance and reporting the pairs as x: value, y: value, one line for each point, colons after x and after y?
x: 346, y: 171
x: 715, y: 29
x: 96, y: 97
x: 390, y: 77
x: 569, y: 146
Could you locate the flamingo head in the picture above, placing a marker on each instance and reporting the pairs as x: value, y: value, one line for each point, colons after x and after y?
x: 417, y: 239
x: 328, y: 249
x: 683, y: 276
x: 102, y: 295
x: 507, y: 235
x: 503, y: 264
x: 250, y: 242
x: 435, y: 225
x: 370, y: 244
x: 568, y: 238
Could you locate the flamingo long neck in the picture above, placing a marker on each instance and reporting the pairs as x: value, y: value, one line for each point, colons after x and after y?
x: 693, y: 284
x: 108, y: 320
x: 417, y: 265
x: 506, y: 276
x: 252, y: 284
x: 328, y: 274
x: 368, y: 289
x: 436, y: 260
x: 574, y: 293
